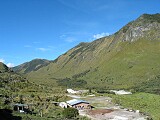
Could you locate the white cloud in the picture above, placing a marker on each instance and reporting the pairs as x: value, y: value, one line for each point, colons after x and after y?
x: 100, y: 35
x: 43, y: 49
x: 2, y: 60
x: 10, y: 64
x: 70, y: 39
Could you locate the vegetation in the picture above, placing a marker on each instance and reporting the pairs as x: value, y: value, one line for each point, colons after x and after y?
x: 3, y: 67
x: 151, y: 18
x: 33, y: 65
x: 71, y: 83
x: 151, y: 86
x: 101, y: 90
x: 15, y: 88
x: 147, y: 103
x: 107, y: 63
x: 70, y: 113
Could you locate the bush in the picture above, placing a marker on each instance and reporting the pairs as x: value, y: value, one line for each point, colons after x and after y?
x: 84, y: 118
x: 67, y: 82
x: 70, y: 113
x: 104, y: 91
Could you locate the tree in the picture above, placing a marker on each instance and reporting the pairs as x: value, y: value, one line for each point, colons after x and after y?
x: 90, y: 90
x: 21, y: 99
x: 70, y: 113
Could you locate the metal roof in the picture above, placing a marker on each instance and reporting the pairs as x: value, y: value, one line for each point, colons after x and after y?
x: 17, y: 104
x: 76, y: 101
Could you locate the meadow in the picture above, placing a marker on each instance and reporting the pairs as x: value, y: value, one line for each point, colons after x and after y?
x: 148, y: 104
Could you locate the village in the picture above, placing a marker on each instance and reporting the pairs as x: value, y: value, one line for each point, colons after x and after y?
x: 92, y: 106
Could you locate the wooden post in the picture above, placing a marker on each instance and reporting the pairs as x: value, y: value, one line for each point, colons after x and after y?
x: 17, y: 108
x: 22, y: 108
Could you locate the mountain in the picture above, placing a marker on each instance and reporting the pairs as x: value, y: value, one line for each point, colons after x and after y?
x: 3, y: 67
x: 31, y: 66
x: 125, y: 60
x: 10, y: 82
x: 7, y: 75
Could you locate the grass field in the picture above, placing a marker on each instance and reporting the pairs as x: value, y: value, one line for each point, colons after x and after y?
x: 145, y: 102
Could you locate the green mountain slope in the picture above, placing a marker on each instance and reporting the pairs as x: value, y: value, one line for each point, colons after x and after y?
x: 31, y: 66
x: 126, y: 59
x: 9, y: 80
x: 15, y: 88
x: 3, y: 67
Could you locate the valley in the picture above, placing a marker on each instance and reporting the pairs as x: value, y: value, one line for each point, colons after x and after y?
x: 126, y: 60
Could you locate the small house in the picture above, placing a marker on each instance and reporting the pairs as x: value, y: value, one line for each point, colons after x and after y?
x: 63, y: 105
x: 121, y: 92
x: 71, y: 91
x: 79, y: 104
x: 22, y: 108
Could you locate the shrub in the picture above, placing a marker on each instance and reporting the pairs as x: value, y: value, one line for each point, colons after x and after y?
x: 71, y: 82
x: 70, y: 113
x: 84, y: 118
x: 32, y: 95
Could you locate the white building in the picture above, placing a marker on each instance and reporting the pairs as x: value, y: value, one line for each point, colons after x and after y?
x: 63, y: 105
x: 72, y: 91
x: 120, y: 92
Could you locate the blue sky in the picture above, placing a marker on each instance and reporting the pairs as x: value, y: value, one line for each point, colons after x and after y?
x: 45, y: 29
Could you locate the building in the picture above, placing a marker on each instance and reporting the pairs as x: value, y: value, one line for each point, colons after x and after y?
x: 22, y: 108
x: 121, y: 92
x: 71, y: 91
x: 79, y: 104
x: 63, y: 105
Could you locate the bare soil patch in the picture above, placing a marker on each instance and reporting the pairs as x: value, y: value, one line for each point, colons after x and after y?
x: 100, y: 111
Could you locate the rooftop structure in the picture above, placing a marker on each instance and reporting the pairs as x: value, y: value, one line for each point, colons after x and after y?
x: 79, y: 104
x: 21, y: 107
x: 76, y: 101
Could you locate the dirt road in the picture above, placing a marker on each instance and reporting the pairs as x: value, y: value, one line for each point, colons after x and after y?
x: 102, y: 105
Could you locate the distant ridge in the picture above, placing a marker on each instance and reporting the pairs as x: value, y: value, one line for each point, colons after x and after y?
x: 31, y: 66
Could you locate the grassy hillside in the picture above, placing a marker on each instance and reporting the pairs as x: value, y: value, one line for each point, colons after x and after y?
x: 146, y: 103
x: 126, y: 60
x: 15, y: 88
x: 3, y: 67
x: 138, y: 62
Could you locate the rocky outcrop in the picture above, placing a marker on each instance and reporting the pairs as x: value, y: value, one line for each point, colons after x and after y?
x: 136, y: 29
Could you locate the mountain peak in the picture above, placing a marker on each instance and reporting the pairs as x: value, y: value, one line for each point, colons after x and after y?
x: 150, y: 17
x: 139, y: 27
x: 33, y: 65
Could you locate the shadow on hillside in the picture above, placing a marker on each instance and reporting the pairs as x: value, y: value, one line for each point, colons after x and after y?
x: 6, y: 114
